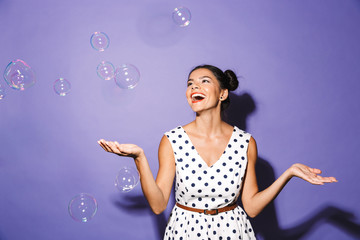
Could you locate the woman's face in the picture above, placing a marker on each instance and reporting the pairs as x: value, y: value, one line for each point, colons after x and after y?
x: 203, y: 90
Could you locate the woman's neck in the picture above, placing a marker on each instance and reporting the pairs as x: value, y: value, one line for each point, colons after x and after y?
x: 209, y: 123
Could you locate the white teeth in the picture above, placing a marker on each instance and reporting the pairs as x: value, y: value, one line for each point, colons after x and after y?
x: 196, y: 95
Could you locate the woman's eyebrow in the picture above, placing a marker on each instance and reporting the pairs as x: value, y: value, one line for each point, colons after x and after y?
x: 205, y: 77
x: 190, y: 79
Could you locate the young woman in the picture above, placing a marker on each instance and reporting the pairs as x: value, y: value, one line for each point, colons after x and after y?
x: 214, y: 165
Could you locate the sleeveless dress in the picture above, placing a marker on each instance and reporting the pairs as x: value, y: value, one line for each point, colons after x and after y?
x: 208, y: 187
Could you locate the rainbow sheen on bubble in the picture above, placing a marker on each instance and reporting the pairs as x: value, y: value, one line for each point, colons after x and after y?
x: 62, y: 87
x: 105, y: 70
x: 181, y: 16
x: 19, y: 75
x: 127, y: 179
x: 99, y: 41
x: 127, y: 76
x: 82, y: 207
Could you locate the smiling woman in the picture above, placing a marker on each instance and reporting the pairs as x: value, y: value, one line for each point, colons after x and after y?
x: 226, y: 80
x: 214, y: 166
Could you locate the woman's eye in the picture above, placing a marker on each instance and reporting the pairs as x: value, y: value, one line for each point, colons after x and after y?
x: 205, y: 80
x: 189, y: 83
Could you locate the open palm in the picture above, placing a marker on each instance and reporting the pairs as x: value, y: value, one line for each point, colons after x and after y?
x: 126, y: 150
x: 310, y: 174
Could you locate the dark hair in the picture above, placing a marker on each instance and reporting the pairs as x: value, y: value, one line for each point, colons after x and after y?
x: 227, y: 80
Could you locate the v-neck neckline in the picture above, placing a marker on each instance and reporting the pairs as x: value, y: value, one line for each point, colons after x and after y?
x: 202, y: 159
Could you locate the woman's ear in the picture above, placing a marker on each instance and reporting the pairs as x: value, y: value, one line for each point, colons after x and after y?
x: 224, y: 94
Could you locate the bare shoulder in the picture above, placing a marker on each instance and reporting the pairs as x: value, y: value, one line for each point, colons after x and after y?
x: 252, y: 142
x: 252, y: 150
x: 165, y: 145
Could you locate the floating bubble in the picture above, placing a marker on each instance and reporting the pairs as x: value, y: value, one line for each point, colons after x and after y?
x: 127, y: 179
x: 127, y: 76
x: 2, y: 92
x: 99, y: 41
x: 82, y: 207
x: 105, y: 70
x: 62, y: 86
x: 181, y: 16
x: 19, y: 75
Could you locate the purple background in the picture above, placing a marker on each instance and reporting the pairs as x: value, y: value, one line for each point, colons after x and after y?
x: 299, y: 97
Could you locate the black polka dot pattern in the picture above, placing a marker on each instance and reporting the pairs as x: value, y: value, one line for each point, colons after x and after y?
x: 208, y: 187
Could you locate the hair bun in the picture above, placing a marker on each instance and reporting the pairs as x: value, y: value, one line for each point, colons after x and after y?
x: 233, y: 80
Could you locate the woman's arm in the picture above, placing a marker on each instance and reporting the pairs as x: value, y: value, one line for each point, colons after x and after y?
x: 254, y: 201
x: 156, y: 192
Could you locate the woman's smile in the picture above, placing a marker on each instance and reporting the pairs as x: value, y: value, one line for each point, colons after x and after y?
x: 197, y: 97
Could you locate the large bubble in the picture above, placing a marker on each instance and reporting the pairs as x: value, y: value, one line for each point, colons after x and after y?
x: 82, y: 207
x: 99, y: 41
x: 127, y: 76
x: 127, y: 179
x: 181, y: 16
x: 19, y: 75
x: 105, y: 70
x: 62, y: 87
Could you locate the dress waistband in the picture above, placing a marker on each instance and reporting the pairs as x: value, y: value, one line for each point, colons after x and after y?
x: 208, y: 211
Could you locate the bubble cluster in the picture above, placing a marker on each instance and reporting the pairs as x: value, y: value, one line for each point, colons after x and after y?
x: 99, y: 41
x: 82, y: 207
x: 62, y: 87
x: 19, y: 75
x: 127, y: 179
x: 105, y: 70
x: 127, y: 76
x: 181, y: 16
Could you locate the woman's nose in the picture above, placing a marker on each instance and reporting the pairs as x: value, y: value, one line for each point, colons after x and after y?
x: 195, y: 86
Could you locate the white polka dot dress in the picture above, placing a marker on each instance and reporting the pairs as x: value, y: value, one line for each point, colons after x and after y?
x: 208, y: 187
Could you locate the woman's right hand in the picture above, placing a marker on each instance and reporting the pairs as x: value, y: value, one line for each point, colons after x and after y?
x: 125, y: 150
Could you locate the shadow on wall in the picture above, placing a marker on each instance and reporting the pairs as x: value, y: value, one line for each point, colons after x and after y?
x: 138, y: 205
x: 2, y: 237
x: 266, y: 225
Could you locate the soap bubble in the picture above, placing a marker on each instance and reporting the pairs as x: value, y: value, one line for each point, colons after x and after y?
x: 127, y: 179
x: 99, y: 41
x: 62, y: 86
x: 127, y: 76
x: 105, y: 70
x: 2, y: 92
x: 19, y: 75
x: 181, y: 16
x: 82, y: 207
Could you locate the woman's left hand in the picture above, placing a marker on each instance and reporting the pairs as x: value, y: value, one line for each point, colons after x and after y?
x: 310, y: 174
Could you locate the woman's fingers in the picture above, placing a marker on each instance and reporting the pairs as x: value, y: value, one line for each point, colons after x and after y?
x: 106, y: 145
x: 126, y: 150
x: 327, y: 179
x: 333, y: 179
x: 101, y: 142
x: 311, y: 174
x: 115, y: 149
x: 315, y: 170
x: 118, y: 147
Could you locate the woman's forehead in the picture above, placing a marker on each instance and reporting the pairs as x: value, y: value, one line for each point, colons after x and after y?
x: 200, y: 73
